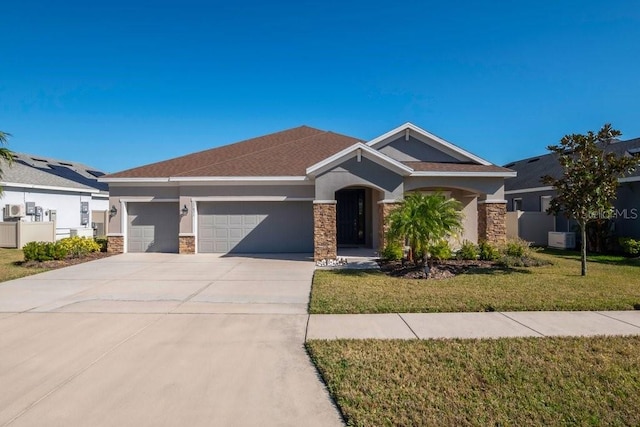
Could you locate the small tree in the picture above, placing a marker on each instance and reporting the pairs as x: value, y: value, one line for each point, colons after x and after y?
x: 588, y: 185
x: 423, y: 220
x: 5, y: 153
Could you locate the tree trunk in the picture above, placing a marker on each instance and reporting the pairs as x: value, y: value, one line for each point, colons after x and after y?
x: 583, y: 251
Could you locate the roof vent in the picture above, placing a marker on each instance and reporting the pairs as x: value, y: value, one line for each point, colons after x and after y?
x: 65, y: 164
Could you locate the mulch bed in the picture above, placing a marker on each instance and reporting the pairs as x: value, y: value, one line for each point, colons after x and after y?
x: 53, y: 264
x: 439, y: 270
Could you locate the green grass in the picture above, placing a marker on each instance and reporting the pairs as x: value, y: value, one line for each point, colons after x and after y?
x: 528, y: 381
x: 612, y: 283
x: 9, y: 269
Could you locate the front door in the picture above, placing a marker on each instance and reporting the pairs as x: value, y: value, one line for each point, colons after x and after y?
x: 350, y: 217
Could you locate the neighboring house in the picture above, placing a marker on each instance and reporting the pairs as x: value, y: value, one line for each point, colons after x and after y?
x: 299, y: 190
x: 40, y: 189
x: 527, y: 193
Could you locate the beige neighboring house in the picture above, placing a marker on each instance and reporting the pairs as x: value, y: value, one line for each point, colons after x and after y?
x: 299, y: 190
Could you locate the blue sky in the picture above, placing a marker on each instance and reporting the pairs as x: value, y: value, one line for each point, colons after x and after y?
x: 119, y: 84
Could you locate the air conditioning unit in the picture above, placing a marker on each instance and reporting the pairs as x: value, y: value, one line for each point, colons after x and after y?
x: 14, y: 211
x: 560, y: 240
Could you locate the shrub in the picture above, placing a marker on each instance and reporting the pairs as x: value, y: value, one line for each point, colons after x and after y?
x: 78, y: 247
x: 392, y: 252
x: 43, y: 251
x: 468, y: 251
x: 102, y: 241
x: 630, y: 246
x: 440, y: 250
x: 488, y: 252
x: 516, y: 248
x: 509, y: 261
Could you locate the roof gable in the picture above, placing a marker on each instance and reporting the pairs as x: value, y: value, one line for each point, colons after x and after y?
x: 410, y: 132
x: 358, y: 150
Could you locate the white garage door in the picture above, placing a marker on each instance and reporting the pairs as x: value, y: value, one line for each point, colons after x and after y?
x: 255, y: 227
x: 153, y: 227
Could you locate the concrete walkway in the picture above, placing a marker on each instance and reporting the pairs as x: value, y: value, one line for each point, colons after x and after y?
x: 473, y: 325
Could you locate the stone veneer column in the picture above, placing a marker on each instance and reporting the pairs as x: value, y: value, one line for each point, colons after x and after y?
x: 384, y: 209
x: 187, y: 244
x: 492, y: 221
x: 324, y: 230
x: 115, y: 244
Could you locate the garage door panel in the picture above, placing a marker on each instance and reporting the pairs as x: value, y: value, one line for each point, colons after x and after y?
x: 153, y: 227
x: 255, y: 227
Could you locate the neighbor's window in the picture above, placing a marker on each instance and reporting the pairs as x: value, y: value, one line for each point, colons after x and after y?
x: 517, y: 204
x: 545, y: 202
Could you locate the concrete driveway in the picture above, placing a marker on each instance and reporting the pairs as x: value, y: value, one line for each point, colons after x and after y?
x: 162, y: 340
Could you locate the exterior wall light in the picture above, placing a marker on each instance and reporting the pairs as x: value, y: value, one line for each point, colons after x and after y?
x: 113, y: 211
x: 184, y: 210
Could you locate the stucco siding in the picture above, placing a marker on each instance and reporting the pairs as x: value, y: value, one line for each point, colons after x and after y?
x: 67, y: 206
x: 364, y: 173
x: 415, y: 150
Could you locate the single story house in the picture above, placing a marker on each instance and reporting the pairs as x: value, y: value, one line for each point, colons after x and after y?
x: 526, y: 192
x: 299, y: 190
x: 42, y: 189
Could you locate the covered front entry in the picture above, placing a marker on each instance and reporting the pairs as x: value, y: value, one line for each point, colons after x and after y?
x: 350, y: 217
x: 152, y: 227
x: 255, y: 227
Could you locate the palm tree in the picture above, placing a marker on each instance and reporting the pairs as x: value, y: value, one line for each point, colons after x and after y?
x: 422, y: 220
x: 5, y: 153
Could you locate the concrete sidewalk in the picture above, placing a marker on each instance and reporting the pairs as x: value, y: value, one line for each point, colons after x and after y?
x: 473, y: 325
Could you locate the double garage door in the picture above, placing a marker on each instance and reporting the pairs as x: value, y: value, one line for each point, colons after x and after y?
x: 255, y: 227
x: 236, y: 227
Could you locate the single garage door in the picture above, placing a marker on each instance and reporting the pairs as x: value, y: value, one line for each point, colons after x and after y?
x: 153, y: 227
x: 255, y: 227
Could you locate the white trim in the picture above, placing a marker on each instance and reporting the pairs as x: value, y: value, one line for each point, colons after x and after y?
x: 146, y: 199
x: 387, y: 201
x: 238, y: 178
x: 194, y: 224
x: 466, y: 174
x: 629, y: 179
x: 101, y: 195
x: 186, y: 235
x: 215, y: 180
x: 133, y: 179
x: 251, y: 199
x: 325, y: 202
x: 49, y: 187
x: 352, y: 151
x: 124, y: 226
x: 491, y: 201
x: 529, y: 190
x: 386, y: 138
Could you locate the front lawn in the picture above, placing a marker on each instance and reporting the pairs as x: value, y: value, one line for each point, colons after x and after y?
x: 9, y: 267
x: 612, y: 283
x: 526, y: 381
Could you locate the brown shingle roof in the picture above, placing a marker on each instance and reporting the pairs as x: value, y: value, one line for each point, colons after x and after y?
x: 286, y: 153
x: 454, y: 167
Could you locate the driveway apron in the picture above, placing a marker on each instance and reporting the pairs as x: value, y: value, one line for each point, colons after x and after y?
x: 162, y: 340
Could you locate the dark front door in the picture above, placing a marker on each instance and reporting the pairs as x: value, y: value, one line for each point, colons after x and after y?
x: 350, y: 217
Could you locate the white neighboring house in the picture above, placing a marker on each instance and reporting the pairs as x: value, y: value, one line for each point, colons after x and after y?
x: 41, y: 189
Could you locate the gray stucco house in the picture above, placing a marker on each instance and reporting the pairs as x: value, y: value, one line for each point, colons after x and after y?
x: 526, y: 192
x: 299, y: 190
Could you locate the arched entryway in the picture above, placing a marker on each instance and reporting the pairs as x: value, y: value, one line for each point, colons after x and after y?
x: 357, y: 217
